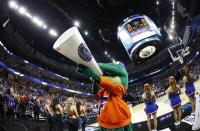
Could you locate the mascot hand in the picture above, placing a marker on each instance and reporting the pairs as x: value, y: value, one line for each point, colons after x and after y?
x: 95, y: 87
x: 81, y: 69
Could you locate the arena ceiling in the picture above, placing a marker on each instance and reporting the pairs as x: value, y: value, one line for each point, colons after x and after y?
x: 100, y: 18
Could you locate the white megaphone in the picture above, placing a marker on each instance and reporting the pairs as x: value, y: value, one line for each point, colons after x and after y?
x: 72, y: 45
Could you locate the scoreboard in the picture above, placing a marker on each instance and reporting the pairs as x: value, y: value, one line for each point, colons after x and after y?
x: 137, y: 30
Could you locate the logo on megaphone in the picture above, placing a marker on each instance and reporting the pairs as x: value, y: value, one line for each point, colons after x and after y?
x: 84, y: 53
x: 71, y: 45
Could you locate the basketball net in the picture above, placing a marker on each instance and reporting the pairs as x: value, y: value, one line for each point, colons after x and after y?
x: 180, y: 58
x: 180, y: 54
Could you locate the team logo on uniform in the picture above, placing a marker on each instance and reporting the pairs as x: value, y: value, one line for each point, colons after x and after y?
x: 84, y: 53
x: 103, y: 102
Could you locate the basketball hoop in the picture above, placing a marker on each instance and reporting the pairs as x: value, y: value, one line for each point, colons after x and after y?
x: 180, y: 58
x: 178, y: 54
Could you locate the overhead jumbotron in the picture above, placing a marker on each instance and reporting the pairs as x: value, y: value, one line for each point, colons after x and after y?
x: 140, y: 36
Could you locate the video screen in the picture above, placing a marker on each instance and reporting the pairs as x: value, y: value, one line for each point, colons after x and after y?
x: 137, y: 26
x: 136, y: 29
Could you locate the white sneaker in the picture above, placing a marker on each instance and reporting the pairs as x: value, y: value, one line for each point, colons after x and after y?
x: 176, y: 123
x: 192, y: 114
x: 179, y: 123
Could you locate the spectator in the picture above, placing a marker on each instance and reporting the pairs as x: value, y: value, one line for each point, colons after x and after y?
x: 36, y: 110
x: 9, y: 102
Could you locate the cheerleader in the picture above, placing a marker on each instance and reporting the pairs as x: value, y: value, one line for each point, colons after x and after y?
x: 81, y: 112
x: 58, y: 113
x: 74, y: 122
x: 189, y: 86
x: 151, y: 108
x: 173, y: 92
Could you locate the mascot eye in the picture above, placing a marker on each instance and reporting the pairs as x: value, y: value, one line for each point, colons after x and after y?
x: 107, y: 73
x: 119, y: 63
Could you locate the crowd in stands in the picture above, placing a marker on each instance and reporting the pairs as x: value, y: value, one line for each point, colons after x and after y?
x: 41, y: 74
x: 23, y: 99
x: 195, y: 70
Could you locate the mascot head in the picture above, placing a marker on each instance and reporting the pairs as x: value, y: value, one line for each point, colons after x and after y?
x: 116, y: 72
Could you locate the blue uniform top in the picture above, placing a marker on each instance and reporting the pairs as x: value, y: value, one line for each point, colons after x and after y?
x: 175, y: 99
x: 151, y: 106
x: 190, y: 89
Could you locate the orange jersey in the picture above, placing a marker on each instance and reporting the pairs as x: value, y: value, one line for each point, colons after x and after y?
x: 113, y: 111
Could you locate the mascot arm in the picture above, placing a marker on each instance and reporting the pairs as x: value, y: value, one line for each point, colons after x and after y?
x: 114, y: 88
x: 99, y: 94
x: 81, y: 69
x: 114, y: 69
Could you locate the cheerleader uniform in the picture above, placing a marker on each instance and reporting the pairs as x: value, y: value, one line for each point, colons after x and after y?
x: 73, y: 123
x: 190, y: 89
x: 151, y: 106
x: 175, y: 99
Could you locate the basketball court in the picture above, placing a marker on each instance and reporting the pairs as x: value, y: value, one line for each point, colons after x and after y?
x: 138, y: 113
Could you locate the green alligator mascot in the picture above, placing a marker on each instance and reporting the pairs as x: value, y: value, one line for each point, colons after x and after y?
x: 113, y: 112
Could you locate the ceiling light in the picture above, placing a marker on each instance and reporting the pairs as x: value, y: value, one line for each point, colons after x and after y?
x: 105, y: 52
x: 173, y: 5
x: 13, y: 4
x: 76, y: 23
x: 172, y: 26
x: 37, y: 21
x: 53, y: 32
x: 173, y: 12
x: 157, y: 2
x: 26, y: 61
x: 28, y: 15
x: 44, y: 26
x: 22, y: 10
x: 85, y: 32
x: 170, y: 37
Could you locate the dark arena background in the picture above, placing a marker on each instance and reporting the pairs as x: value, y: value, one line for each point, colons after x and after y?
x: 154, y: 39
